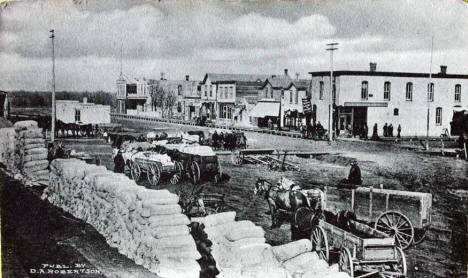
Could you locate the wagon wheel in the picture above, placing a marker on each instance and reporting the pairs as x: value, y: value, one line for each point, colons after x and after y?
x: 195, y: 172
x: 179, y: 168
x: 135, y: 171
x: 419, y: 235
x: 175, y: 179
x: 154, y: 174
x: 320, y: 243
x: 396, y: 225
x: 236, y: 158
x: 345, y: 262
x: 399, y: 269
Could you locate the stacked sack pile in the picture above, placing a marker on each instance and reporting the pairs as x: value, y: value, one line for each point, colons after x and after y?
x: 32, y: 152
x: 240, y: 251
x: 8, y: 156
x: 145, y: 225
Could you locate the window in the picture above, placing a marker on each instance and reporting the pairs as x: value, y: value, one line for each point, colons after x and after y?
x: 77, y: 115
x: 211, y: 90
x: 395, y: 112
x: 386, y: 94
x: 364, y: 90
x: 296, y: 99
x: 179, y: 107
x: 409, y: 91
x: 438, y: 116
x: 321, y: 87
x: 205, y: 88
x: 430, y: 92
x: 179, y: 90
x: 290, y: 96
x: 458, y: 93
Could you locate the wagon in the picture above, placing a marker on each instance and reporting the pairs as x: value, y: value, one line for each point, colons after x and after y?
x: 206, y: 204
x: 155, y: 166
x: 199, y: 164
x: 404, y: 215
x: 365, y: 252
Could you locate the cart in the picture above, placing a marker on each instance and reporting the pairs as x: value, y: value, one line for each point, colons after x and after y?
x: 404, y: 215
x: 155, y: 166
x: 200, y: 166
x: 366, y: 252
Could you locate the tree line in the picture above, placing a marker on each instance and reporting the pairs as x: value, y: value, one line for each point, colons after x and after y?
x: 44, y: 99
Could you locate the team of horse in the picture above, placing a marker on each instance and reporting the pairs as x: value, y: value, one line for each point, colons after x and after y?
x: 286, y: 203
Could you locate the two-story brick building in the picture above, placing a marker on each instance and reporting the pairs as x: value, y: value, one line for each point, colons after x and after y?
x: 397, y: 98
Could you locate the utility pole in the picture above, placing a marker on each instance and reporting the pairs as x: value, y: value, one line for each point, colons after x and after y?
x: 430, y: 95
x: 331, y: 48
x: 52, y: 129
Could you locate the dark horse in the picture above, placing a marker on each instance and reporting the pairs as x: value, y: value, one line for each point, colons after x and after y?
x: 280, y: 199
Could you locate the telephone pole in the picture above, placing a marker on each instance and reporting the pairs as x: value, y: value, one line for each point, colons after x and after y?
x: 52, y: 129
x: 430, y: 95
x: 331, y: 48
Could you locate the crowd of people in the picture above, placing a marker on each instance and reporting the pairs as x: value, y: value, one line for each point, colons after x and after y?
x: 228, y: 141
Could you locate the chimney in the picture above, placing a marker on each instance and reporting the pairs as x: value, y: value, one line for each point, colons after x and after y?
x: 187, y: 77
x: 297, y: 76
x: 443, y: 69
x: 286, y: 72
x: 85, y: 100
x: 162, y: 75
x: 373, y: 67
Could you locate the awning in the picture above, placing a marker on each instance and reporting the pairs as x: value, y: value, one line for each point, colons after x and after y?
x: 263, y: 109
x: 366, y: 104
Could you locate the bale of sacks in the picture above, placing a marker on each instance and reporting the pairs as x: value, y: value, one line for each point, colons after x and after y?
x: 240, y: 251
x: 145, y: 225
x: 8, y: 155
x: 32, y: 153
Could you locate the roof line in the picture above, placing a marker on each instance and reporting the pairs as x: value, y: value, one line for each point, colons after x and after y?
x: 388, y: 73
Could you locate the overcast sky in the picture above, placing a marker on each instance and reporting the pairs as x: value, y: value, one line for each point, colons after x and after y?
x: 195, y: 37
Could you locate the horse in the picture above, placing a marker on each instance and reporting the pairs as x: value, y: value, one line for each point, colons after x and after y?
x: 280, y: 199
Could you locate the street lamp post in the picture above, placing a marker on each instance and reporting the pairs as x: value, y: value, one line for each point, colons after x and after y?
x: 52, y: 129
x: 331, y: 48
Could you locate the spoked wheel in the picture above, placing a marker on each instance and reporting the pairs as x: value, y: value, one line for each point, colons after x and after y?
x: 136, y: 172
x: 419, y: 235
x: 399, y: 269
x: 175, y: 179
x: 236, y: 159
x: 396, y: 225
x: 303, y: 218
x: 179, y: 168
x: 320, y: 243
x: 153, y: 175
x: 195, y: 172
x: 346, y: 262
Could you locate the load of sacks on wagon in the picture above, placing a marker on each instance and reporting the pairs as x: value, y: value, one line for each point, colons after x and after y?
x: 239, y: 249
x: 145, y: 225
x: 23, y: 151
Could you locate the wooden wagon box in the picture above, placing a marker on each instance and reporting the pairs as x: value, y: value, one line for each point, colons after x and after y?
x: 369, y: 203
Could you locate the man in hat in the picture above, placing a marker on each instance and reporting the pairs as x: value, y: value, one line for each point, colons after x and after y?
x: 354, y: 176
x: 119, y: 163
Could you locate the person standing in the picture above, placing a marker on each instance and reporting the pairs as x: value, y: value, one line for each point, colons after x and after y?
x: 390, y: 130
x: 365, y: 131
x: 385, y: 130
x: 119, y: 163
x: 375, y: 136
x: 399, y: 131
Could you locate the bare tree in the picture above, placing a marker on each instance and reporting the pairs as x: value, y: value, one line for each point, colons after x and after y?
x: 163, y: 99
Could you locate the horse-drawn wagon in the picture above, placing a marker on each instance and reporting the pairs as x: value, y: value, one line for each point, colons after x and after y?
x: 363, y: 252
x: 404, y: 215
x: 199, y: 162
x: 155, y: 166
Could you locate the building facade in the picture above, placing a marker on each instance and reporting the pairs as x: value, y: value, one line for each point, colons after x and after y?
x: 73, y: 111
x: 396, y: 98
x: 292, y: 98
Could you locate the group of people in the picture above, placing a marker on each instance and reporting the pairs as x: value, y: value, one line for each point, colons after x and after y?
x: 229, y: 141
x: 387, y: 131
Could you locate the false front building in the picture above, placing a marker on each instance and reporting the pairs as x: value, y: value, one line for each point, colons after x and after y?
x: 397, y: 98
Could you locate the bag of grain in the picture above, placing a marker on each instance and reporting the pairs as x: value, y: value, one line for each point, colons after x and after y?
x: 287, y: 251
x: 21, y: 125
x: 241, y: 233
x: 219, y: 218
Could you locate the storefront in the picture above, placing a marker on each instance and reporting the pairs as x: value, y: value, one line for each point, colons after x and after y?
x: 265, y: 114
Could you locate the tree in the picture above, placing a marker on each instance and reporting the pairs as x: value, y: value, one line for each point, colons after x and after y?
x: 163, y: 99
